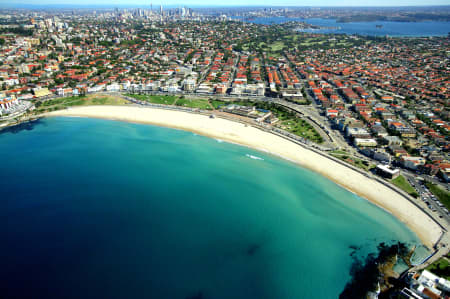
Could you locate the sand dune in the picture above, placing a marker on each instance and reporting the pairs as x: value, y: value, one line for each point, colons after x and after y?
x: 427, y: 230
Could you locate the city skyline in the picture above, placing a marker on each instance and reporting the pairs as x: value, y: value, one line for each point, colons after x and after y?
x: 202, y: 3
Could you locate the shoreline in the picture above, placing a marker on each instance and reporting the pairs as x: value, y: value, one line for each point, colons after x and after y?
x: 427, y: 230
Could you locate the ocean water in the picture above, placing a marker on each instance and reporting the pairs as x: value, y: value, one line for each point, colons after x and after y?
x: 429, y: 28
x: 95, y: 208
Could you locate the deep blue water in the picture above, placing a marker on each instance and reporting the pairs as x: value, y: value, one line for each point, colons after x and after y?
x: 367, y: 28
x: 104, y: 209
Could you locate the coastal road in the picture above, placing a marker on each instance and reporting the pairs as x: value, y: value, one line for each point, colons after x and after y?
x: 321, y: 123
x: 428, y: 201
x: 323, y: 131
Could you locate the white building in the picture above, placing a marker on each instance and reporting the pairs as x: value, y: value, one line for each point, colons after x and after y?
x: 7, y: 103
x: 365, y: 142
x: 387, y: 172
x: 96, y: 88
x: 113, y: 87
x: 429, y: 285
x: 189, y: 84
x: 412, y: 162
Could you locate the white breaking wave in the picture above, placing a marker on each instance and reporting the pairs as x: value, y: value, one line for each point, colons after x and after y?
x: 254, y: 157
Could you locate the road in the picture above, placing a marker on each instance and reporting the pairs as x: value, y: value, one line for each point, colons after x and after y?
x: 428, y: 201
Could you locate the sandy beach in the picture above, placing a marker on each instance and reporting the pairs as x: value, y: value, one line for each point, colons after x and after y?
x: 426, y: 229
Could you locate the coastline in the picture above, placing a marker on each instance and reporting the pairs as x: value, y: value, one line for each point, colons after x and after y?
x: 428, y: 231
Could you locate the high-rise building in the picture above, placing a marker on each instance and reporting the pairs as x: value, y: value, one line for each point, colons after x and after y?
x: 160, y: 10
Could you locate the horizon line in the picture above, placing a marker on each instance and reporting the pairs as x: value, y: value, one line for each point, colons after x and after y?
x: 106, y: 6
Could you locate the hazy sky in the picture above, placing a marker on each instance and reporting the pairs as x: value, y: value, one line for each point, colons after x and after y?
x: 112, y: 3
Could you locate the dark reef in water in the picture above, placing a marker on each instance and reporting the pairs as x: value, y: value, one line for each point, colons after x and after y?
x: 366, y: 273
x: 24, y: 126
x: 253, y: 249
x: 199, y: 295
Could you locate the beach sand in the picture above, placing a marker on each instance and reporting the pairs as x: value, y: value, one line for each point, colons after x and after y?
x: 426, y: 229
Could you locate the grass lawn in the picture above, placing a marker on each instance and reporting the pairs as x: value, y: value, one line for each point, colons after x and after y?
x: 95, y: 99
x: 441, y: 268
x: 288, y: 121
x: 442, y: 195
x: 300, y: 102
x: 163, y: 100
x: 276, y: 46
x: 338, y: 152
x: 244, y: 103
x: 311, y: 41
x: 60, y: 101
x: 301, y: 128
x: 217, y: 103
x: 403, y: 184
x: 193, y: 103
x: 352, y: 160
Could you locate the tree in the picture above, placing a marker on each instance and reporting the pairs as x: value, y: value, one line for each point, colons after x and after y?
x: 59, y: 81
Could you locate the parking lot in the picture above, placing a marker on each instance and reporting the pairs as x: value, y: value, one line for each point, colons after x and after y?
x: 430, y: 200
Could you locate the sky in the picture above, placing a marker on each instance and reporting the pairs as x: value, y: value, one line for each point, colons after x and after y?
x: 143, y: 3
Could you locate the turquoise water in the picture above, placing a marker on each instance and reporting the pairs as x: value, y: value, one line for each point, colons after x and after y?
x: 104, y: 209
x: 429, y: 28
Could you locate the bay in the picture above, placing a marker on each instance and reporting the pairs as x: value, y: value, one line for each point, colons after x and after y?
x: 411, y: 29
x: 94, y: 208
